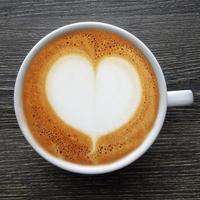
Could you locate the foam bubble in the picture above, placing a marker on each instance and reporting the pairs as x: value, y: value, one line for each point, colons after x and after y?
x: 95, y: 102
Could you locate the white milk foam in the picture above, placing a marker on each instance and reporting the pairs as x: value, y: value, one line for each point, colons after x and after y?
x: 95, y: 102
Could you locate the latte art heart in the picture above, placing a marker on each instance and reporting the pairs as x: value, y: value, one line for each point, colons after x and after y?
x: 90, y: 97
x: 93, y: 100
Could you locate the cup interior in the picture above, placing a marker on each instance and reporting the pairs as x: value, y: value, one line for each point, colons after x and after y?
x: 84, y: 169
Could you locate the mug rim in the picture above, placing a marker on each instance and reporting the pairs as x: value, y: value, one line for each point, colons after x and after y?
x: 127, y: 159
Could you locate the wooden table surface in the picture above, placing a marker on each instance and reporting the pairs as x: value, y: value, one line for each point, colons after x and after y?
x: 171, y: 168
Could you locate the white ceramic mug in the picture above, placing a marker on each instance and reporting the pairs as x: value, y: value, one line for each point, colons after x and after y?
x: 173, y: 98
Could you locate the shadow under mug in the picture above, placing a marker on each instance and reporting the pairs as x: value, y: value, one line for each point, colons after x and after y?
x: 172, y: 98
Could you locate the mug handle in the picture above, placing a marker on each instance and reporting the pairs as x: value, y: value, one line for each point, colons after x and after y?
x: 179, y: 98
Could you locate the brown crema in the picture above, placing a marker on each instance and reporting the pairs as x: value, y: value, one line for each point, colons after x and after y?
x: 65, y: 142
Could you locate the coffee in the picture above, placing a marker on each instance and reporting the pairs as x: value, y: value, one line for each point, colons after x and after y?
x: 90, y: 97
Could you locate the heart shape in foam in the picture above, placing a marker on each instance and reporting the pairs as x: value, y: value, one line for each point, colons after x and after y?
x: 95, y: 102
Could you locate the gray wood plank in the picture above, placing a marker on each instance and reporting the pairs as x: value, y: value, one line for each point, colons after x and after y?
x: 171, y: 168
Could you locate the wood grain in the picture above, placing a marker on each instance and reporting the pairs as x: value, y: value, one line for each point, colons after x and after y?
x: 171, y: 168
